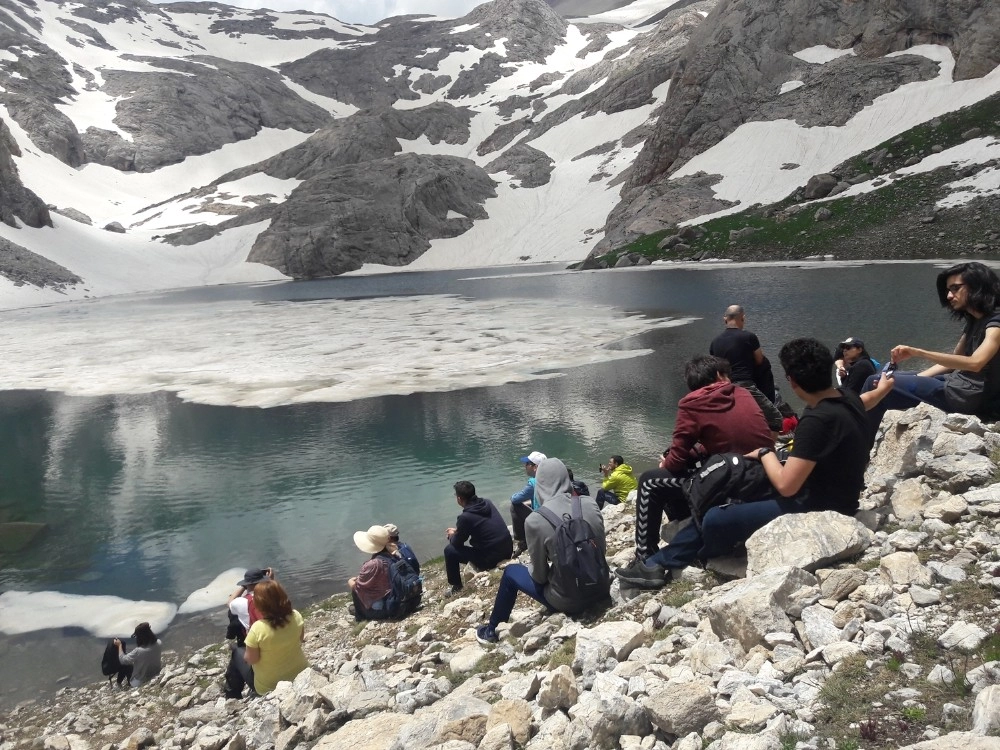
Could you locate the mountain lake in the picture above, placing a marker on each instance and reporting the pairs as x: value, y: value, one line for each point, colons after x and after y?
x: 153, y: 446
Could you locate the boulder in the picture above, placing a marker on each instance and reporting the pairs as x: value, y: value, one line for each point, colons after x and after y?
x: 559, y: 689
x: 806, y: 540
x: 681, y: 707
x: 749, y: 609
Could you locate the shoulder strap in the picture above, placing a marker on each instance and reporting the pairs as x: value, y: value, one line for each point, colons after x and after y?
x: 576, y: 507
x: 549, y: 516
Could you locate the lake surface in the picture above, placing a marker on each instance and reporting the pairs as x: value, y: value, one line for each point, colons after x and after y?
x: 167, y: 442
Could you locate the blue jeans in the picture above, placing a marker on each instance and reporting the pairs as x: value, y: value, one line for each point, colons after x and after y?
x: 722, y: 528
x: 515, y: 578
x: 908, y: 390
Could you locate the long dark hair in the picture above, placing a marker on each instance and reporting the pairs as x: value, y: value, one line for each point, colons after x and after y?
x: 272, y: 603
x: 144, y: 635
x: 982, y: 288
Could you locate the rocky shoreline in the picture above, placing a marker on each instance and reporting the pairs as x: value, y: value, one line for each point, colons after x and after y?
x: 833, y: 632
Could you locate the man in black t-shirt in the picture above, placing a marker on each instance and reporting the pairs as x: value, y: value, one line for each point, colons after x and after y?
x: 746, y: 359
x: 825, y: 469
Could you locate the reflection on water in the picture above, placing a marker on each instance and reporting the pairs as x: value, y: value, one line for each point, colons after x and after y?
x: 146, y: 496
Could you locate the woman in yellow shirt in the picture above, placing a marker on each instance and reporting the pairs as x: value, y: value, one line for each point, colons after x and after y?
x: 274, y: 642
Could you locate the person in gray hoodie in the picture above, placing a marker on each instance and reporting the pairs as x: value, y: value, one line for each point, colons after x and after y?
x: 481, y: 525
x: 542, y: 581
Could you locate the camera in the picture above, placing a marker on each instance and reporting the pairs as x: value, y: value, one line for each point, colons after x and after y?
x: 890, y: 366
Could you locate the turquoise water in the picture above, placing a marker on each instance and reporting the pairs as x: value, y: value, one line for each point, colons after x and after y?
x: 146, y: 496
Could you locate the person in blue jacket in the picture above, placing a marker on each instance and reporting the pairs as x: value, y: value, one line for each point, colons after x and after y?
x: 523, y: 502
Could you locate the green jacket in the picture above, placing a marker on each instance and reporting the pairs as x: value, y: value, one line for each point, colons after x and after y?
x: 620, y: 481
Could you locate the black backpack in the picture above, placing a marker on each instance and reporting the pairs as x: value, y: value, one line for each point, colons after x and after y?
x: 406, y: 590
x: 583, y: 569
x: 111, y: 665
x: 724, y: 478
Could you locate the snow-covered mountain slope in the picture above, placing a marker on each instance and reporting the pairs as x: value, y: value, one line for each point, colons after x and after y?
x: 151, y: 146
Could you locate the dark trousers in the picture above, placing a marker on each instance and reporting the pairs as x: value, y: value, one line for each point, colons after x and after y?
x: 519, y: 513
x: 722, y: 529
x: 515, y: 578
x: 482, y: 559
x: 654, y: 496
x: 239, y: 674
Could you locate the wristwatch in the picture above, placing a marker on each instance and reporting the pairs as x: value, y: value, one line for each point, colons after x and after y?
x: 763, y: 452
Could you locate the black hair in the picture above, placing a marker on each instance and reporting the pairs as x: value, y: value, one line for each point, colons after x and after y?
x: 981, y: 283
x: 703, y: 369
x: 809, y: 363
x: 618, y: 460
x: 144, y: 635
x: 465, y: 490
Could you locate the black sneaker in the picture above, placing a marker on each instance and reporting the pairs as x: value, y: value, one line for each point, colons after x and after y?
x: 452, y: 592
x: 486, y: 634
x: 643, y: 576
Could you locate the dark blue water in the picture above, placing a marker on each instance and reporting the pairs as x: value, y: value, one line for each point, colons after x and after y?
x: 149, y: 497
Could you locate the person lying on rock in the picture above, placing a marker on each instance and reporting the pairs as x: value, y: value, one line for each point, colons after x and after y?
x: 481, y: 525
x: 967, y: 380
x: 546, y: 581
x: 716, y: 416
x: 825, y: 469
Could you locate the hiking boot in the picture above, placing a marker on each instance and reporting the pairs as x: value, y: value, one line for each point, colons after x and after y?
x: 643, y: 576
x: 486, y: 634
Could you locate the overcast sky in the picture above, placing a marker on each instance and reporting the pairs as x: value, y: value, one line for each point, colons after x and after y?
x: 366, y: 11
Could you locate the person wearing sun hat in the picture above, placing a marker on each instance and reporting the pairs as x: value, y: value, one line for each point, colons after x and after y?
x: 372, y: 582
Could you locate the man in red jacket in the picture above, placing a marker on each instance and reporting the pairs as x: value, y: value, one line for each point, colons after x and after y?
x: 717, y: 416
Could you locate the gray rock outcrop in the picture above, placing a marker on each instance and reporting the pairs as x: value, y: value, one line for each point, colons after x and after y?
x: 16, y: 201
x: 735, y: 63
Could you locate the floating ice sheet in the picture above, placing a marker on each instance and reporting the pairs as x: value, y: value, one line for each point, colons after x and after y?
x: 104, y: 616
x: 246, y: 353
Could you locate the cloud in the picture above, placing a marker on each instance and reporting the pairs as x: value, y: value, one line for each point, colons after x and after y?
x: 367, y: 11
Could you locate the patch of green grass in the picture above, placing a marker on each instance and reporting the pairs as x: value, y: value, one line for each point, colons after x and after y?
x: 678, y: 593
x: 847, y: 743
x: 970, y: 595
x: 914, y: 713
x: 990, y: 648
x: 563, y: 654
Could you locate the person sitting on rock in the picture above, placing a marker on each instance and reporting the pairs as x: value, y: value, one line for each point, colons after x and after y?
x: 618, y: 482
x: 274, y: 643
x: 242, y: 614
x: 716, y: 416
x: 402, y: 548
x: 966, y: 381
x: 854, y: 364
x: 544, y: 581
x: 825, y: 469
x: 371, y: 584
x: 481, y: 525
x: 579, y: 486
x: 145, y: 658
x: 742, y: 350
x: 523, y: 501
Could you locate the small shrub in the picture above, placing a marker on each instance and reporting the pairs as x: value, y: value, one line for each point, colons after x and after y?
x: 914, y: 713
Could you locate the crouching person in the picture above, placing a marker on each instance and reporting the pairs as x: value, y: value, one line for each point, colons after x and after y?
x: 387, y: 587
x: 564, y: 576
x: 481, y: 525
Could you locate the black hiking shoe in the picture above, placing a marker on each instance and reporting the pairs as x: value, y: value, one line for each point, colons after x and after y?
x: 643, y: 576
x: 486, y: 635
